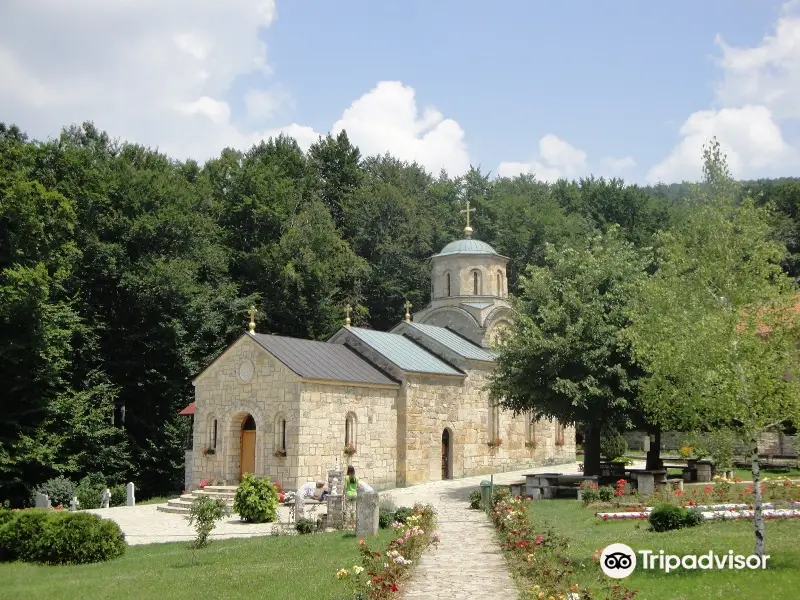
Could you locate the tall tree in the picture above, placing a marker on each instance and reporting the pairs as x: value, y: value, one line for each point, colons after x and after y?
x: 567, y: 358
x: 336, y: 163
x: 716, y: 326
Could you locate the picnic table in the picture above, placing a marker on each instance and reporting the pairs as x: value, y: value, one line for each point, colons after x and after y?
x: 548, y: 485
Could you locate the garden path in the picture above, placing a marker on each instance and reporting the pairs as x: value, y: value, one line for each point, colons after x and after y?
x: 468, y: 562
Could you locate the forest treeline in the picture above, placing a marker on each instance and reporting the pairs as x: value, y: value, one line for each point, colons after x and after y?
x: 124, y: 272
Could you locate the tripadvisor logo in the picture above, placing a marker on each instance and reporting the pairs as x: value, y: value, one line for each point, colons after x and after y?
x: 619, y: 560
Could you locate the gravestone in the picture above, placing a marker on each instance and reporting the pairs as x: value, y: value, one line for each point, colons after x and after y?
x: 367, y: 514
x: 299, y: 504
x: 105, y: 499
x: 74, y: 504
x: 335, y: 511
x: 42, y: 501
x: 130, y: 499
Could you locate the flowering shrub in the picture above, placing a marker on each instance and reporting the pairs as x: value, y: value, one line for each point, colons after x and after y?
x: 380, y: 573
x: 209, y: 451
x: 589, y: 492
x: 686, y: 451
x: 349, y: 449
x: 538, y: 555
x: 530, y: 444
x: 279, y: 453
x: 495, y: 443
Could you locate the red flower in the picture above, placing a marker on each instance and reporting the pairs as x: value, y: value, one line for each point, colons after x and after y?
x: 708, y: 488
x: 393, y: 587
x: 679, y: 492
x: 361, y: 543
x: 378, y: 554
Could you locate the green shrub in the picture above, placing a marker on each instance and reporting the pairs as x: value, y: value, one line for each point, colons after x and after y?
x: 385, y: 518
x: 304, y: 526
x: 59, y: 490
x: 475, y: 499
x: 605, y: 493
x: 119, y: 495
x: 90, y: 491
x: 613, y: 446
x: 204, y: 514
x: 256, y: 500
x: 60, y: 538
x: 402, y: 513
x: 668, y: 517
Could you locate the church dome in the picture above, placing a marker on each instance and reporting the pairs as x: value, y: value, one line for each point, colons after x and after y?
x: 467, y: 246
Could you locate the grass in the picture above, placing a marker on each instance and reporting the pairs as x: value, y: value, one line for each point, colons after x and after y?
x: 157, y: 500
x: 289, y: 568
x: 747, y: 474
x: 587, y: 533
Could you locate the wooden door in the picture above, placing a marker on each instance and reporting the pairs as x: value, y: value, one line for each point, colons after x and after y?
x: 248, y: 458
x: 445, y: 454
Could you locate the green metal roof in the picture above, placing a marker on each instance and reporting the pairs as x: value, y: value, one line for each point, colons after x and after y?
x: 467, y: 246
x: 455, y: 342
x: 403, y: 352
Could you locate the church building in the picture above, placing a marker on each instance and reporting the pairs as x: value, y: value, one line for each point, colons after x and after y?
x: 403, y: 407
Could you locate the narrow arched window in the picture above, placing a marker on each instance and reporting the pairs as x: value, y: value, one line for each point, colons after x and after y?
x: 214, y: 434
x: 475, y: 283
x: 499, y: 284
x: 348, y: 431
x: 283, y: 434
x: 448, y: 284
x: 531, y: 429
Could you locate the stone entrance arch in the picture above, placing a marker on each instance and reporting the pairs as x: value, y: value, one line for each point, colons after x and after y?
x: 247, y: 447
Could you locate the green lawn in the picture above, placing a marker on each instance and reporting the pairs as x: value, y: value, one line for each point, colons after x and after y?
x: 587, y: 533
x: 284, y: 568
x: 747, y: 474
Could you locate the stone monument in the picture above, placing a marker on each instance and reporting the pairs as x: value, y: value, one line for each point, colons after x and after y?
x: 105, y: 499
x: 367, y: 514
x: 42, y: 501
x: 73, y: 505
x: 335, y: 504
x: 130, y: 497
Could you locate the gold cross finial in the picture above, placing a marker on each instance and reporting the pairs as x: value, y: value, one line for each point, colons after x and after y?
x: 347, y: 310
x: 252, y: 312
x: 467, y: 229
x: 407, y: 306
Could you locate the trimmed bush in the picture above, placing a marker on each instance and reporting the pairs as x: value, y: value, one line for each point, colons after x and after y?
x: 613, y: 446
x: 605, y: 493
x: 119, y: 495
x: 60, y: 538
x: 90, y: 490
x: 304, y: 526
x: 668, y: 517
x: 385, y: 518
x: 59, y: 490
x: 256, y: 500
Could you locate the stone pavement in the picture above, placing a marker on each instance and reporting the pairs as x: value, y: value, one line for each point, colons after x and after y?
x: 143, y: 524
x: 468, y: 563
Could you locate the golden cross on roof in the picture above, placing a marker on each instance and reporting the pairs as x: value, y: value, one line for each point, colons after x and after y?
x: 407, y: 306
x: 347, y: 310
x: 252, y: 312
x: 467, y: 229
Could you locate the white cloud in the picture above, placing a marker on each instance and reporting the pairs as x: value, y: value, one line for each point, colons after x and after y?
x: 749, y: 136
x: 615, y: 166
x: 387, y: 119
x: 759, y: 90
x: 162, y: 74
x: 556, y: 159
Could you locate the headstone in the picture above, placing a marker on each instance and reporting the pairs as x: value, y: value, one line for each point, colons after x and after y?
x: 335, y: 511
x: 131, y: 497
x: 646, y: 443
x: 42, y: 501
x: 74, y: 504
x: 105, y: 499
x: 299, y: 503
x: 645, y: 483
x: 367, y: 514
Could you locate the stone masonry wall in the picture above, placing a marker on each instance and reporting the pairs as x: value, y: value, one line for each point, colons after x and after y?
x: 324, y: 408
x: 427, y: 405
x: 273, y: 393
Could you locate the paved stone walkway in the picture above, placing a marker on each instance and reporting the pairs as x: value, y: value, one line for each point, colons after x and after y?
x: 468, y: 563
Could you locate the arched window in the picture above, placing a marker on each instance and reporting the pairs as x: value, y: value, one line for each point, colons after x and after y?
x: 350, y: 429
x: 475, y: 283
x: 559, y: 433
x: 212, y: 433
x: 499, y: 283
x: 494, y: 420
x: 448, y: 284
x: 280, y: 433
x: 530, y: 429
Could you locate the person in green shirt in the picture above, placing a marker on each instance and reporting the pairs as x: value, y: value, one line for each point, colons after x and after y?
x: 351, y: 483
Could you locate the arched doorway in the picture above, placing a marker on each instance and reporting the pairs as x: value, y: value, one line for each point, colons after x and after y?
x: 247, y: 459
x: 447, y: 455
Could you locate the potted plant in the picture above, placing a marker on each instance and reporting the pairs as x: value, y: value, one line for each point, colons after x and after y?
x: 495, y: 443
x: 530, y: 444
x: 280, y: 453
x: 349, y: 449
x: 209, y: 451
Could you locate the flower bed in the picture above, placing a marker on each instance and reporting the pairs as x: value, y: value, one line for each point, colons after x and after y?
x: 714, y: 511
x: 537, y: 555
x: 380, y: 573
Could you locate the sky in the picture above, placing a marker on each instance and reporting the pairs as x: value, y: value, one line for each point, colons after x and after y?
x: 555, y: 88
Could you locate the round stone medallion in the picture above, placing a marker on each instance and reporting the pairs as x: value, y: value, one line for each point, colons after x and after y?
x: 246, y: 370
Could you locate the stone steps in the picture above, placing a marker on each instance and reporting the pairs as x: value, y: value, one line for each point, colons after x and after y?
x: 183, y: 504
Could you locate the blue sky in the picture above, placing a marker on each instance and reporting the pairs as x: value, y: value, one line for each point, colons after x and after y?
x: 624, y: 88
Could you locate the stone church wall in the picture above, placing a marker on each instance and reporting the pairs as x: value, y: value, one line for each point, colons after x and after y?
x: 272, y: 394
x: 324, y: 410
x: 428, y: 405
